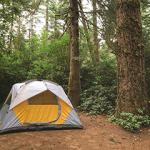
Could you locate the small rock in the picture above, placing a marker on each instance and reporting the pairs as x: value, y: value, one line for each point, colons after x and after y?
x: 112, y: 139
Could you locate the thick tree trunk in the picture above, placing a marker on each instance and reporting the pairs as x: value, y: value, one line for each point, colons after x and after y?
x: 130, y: 58
x: 95, y: 32
x: 74, y: 76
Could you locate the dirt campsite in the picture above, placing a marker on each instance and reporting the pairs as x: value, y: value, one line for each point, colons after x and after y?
x: 59, y: 56
x: 98, y: 133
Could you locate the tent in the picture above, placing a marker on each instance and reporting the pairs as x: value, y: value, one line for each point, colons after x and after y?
x: 36, y: 105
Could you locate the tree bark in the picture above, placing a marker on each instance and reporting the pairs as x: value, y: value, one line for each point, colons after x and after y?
x: 130, y: 58
x: 95, y: 32
x: 18, y: 43
x: 46, y: 16
x: 11, y: 28
x: 74, y: 76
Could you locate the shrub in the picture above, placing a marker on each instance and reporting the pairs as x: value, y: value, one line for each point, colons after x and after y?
x: 98, y: 100
x: 132, y: 122
x: 99, y: 85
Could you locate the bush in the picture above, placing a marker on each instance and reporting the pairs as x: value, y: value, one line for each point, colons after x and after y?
x: 131, y: 122
x: 99, y: 86
x: 98, y: 100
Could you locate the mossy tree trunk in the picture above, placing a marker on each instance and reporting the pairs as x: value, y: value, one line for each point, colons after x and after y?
x: 130, y: 58
x: 74, y: 76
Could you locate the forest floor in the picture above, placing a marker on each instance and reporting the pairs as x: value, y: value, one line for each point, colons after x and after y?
x: 98, y: 134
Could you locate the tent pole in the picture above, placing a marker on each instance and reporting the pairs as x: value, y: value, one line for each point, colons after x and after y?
x: 8, y: 97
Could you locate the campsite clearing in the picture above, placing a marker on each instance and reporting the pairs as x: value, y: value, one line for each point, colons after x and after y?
x: 99, y: 134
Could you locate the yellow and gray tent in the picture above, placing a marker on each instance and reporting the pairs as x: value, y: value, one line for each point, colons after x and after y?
x: 37, y: 105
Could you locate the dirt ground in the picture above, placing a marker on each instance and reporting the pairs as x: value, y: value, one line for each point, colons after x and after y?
x: 98, y: 134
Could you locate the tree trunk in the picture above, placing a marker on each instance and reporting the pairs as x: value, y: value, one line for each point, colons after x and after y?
x: 74, y: 76
x: 55, y: 27
x: 31, y: 28
x: 11, y: 30
x: 3, y: 36
x: 18, y: 43
x: 95, y: 32
x: 130, y: 58
x: 46, y: 16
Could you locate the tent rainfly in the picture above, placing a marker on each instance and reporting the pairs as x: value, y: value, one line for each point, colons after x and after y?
x: 36, y: 105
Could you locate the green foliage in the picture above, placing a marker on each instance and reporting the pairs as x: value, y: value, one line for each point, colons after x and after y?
x: 98, y: 100
x: 52, y: 61
x: 132, y: 122
x: 35, y: 61
x: 9, y: 11
x: 99, y: 85
x: 146, y: 35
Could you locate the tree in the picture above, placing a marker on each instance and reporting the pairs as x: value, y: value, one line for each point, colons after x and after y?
x: 95, y: 32
x: 55, y: 17
x: 107, y: 15
x: 130, y: 58
x: 86, y: 32
x: 74, y: 76
x: 9, y: 12
x: 46, y: 16
x: 31, y: 26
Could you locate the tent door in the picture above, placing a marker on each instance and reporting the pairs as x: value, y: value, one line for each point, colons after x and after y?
x: 42, y: 108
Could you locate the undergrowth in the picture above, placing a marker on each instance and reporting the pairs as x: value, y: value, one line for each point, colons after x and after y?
x: 132, y: 122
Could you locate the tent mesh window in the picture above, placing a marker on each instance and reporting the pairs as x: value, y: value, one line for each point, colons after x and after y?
x: 45, y: 98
